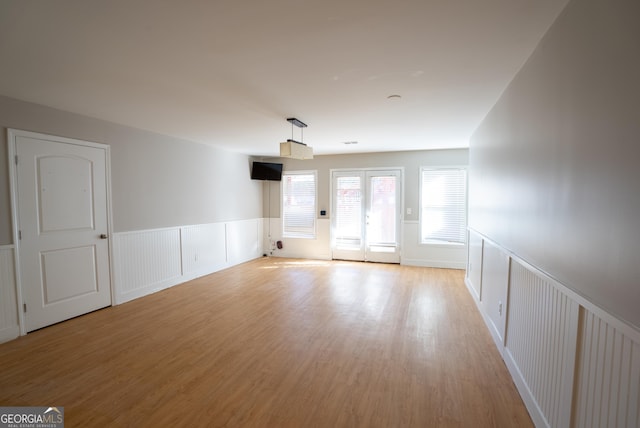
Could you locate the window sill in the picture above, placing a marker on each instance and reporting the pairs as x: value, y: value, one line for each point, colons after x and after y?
x: 443, y: 244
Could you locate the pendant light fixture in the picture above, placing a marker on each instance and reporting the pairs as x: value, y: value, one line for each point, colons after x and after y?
x: 296, y: 149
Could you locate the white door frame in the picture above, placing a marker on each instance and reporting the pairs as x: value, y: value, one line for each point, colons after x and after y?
x: 12, y: 134
x: 365, y: 170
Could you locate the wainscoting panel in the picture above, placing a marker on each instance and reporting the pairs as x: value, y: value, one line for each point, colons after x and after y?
x: 204, y: 249
x: 414, y: 253
x: 474, y: 264
x: 541, y: 343
x: 146, y: 261
x: 243, y: 241
x: 608, y: 375
x: 151, y: 260
x: 318, y: 248
x: 495, y: 283
x: 9, y: 326
x: 574, y: 364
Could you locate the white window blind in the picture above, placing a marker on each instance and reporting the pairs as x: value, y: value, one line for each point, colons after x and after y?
x: 444, y: 205
x: 349, y: 209
x: 299, y: 204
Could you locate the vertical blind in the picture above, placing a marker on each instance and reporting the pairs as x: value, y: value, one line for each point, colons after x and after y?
x: 299, y: 204
x: 444, y: 205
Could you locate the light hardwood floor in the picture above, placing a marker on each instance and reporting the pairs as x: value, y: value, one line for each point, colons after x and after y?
x: 275, y: 343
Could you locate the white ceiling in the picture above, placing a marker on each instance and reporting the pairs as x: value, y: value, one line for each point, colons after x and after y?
x: 229, y: 72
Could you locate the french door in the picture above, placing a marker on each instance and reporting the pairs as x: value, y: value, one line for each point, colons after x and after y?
x: 365, y: 217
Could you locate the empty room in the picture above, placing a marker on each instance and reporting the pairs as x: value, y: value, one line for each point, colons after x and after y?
x: 320, y: 214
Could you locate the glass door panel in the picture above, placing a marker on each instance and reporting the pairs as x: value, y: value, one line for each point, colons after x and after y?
x: 383, y: 214
x: 347, y: 216
x: 366, y: 215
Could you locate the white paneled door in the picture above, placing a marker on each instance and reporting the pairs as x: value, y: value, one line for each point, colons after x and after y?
x: 61, y: 196
x: 365, y: 215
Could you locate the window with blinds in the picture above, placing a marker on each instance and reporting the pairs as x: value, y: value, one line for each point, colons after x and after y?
x: 443, y: 216
x: 299, y: 204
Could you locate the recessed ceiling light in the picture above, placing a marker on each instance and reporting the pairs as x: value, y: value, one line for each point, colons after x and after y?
x: 394, y: 97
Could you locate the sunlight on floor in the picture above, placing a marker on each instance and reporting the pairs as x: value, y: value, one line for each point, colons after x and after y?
x: 297, y: 263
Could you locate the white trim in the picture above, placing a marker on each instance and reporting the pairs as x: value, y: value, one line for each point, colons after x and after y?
x: 155, y: 229
x: 442, y: 244
x: 7, y: 279
x: 527, y: 395
x: 487, y: 320
x: 620, y: 324
x: 107, y: 178
x: 10, y: 333
x: 525, y: 360
x: 466, y: 200
x: 443, y: 264
x: 400, y: 221
x: 170, y: 245
x: 379, y: 168
x: 313, y: 172
x: 472, y: 290
x: 12, y: 135
x: 13, y: 182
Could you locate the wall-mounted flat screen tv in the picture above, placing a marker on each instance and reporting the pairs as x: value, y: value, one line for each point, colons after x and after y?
x: 266, y: 171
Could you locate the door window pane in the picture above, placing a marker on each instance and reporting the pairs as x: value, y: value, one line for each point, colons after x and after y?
x: 348, y: 211
x: 382, y: 215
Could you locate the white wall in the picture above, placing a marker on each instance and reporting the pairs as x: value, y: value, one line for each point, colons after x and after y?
x: 412, y: 251
x: 9, y: 328
x: 156, y: 181
x: 554, y: 206
x: 180, y: 209
x: 318, y: 248
x: 554, y: 166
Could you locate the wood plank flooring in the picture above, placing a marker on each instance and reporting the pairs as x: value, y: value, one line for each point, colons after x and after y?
x: 275, y: 343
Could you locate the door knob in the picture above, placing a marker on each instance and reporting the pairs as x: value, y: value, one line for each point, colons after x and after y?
x: 104, y: 236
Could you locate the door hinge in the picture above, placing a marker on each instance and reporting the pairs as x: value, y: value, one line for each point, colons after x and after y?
x: 24, y: 308
x: 19, y: 235
x: 16, y: 159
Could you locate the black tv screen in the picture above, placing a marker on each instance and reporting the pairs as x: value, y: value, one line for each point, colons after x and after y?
x: 266, y: 171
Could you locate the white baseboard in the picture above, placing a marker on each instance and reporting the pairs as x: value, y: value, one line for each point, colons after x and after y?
x: 149, y: 261
x: 124, y: 297
x: 9, y: 333
x: 442, y: 264
x: 9, y: 316
x: 556, y: 343
x: 474, y: 293
x: 525, y: 393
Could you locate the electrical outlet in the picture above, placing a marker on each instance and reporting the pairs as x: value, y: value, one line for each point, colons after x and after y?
x: 500, y: 308
x: 409, y: 211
